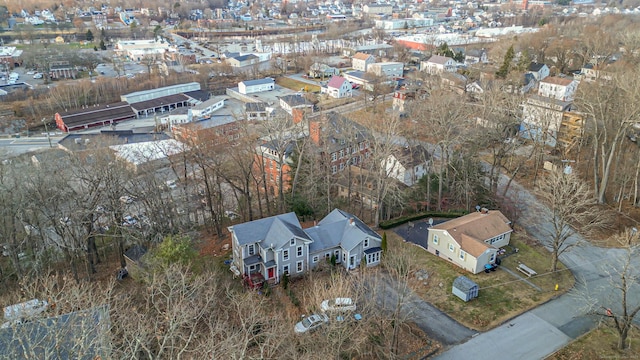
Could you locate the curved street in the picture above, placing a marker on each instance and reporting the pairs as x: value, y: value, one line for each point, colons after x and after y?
x: 549, y: 327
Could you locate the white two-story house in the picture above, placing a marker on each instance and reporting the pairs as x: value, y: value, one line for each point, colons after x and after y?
x: 438, y: 64
x: 558, y: 88
x: 407, y: 164
x: 361, y: 61
x: 338, y: 87
x: 278, y: 245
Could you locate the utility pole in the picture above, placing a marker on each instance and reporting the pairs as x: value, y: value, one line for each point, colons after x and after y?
x: 46, y: 128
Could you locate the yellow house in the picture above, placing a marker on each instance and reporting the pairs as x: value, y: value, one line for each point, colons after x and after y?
x: 471, y: 241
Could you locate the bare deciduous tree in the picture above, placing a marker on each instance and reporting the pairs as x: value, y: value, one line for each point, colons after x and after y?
x: 572, y: 208
x: 621, y: 305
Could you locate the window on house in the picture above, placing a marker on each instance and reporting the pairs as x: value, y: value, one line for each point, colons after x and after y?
x: 292, y: 242
x: 435, y: 239
x: 452, y: 248
x: 341, y: 154
x: 366, y: 243
x: 341, y: 166
x: 315, y: 259
x: 285, y: 255
x: 493, y: 257
x: 334, y: 169
x: 285, y: 269
x: 299, y: 251
x: 327, y: 256
x: 334, y: 156
x: 462, y: 254
x: 299, y: 266
x: 251, y: 249
x: 337, y: 254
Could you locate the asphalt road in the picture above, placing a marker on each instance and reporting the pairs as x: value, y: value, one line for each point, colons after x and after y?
x: 436, y: 324
x: 549, y: 327
x: 16, y: 146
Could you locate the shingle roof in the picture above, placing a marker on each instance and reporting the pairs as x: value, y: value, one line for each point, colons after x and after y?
x: 260, y: 230
x: 557, y: 80
x: 339, y: 228
x: 534, y: 66
x: 346, y: 228
x: 412, y: 156
x: 361, y: 56
x: 470, y: 231
x: 295, y: 100
x: 437, y: 59
x: 81, y: 334
x: 336, y: 82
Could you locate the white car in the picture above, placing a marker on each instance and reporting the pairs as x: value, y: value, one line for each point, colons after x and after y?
x: 310, y: 322
x: 37, y: 76
x: 338, y: 304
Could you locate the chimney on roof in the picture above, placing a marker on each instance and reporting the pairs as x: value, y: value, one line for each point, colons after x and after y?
x: 484, y: 210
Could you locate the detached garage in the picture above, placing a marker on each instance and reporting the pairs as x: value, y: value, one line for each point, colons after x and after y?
x: 464, y: 288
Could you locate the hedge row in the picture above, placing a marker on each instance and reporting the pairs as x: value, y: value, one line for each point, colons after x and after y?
x: 419, y: 216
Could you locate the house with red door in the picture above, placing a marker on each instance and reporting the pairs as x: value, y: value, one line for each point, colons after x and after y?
x: 278, y: 245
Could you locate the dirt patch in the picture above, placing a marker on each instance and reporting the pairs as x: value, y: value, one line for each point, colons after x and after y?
x: 210, y: 244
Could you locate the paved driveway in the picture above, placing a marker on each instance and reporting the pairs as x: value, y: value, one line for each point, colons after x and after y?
x: 436, y: 324
x: 416, y: 231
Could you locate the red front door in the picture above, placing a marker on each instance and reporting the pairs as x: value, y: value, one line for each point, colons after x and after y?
x: 270, y: 273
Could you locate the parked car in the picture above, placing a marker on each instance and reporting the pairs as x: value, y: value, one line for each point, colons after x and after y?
x: 129, y: 220
x: 231, y: 215
x: 311, y: 322
x: 37, y: 76
x: 338, y: 304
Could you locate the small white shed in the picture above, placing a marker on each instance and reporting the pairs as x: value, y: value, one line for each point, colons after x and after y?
x: 464, y: 288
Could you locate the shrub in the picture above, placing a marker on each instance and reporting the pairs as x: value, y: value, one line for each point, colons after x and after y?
x: 405, y: 219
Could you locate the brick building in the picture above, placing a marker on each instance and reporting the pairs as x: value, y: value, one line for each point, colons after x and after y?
x: 340, y: 141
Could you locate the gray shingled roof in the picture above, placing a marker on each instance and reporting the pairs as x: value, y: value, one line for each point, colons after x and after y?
x: 77, y: 335
x: 261, y: 230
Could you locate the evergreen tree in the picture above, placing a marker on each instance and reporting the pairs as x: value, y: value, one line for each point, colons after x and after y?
x: 102, y: 45
x: 384, y: 242
x: 524, y: 61
x: 89, y: 35
x: 506, y: 64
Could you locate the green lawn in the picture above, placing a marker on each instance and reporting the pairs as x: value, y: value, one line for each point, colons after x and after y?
x: 501, y: 296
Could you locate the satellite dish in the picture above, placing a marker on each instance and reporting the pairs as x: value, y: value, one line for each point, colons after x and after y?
x: 478, y: 208
x: 430, y: 221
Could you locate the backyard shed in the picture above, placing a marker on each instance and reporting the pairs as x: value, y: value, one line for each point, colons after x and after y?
x: 464, y: 288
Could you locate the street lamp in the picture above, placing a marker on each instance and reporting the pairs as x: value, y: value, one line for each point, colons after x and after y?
x: 46, y: 128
